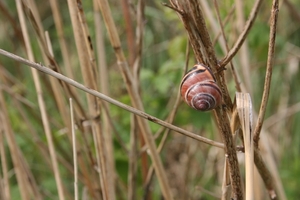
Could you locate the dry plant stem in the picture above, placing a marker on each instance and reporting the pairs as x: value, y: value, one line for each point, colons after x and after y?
x: 100, y: 172
x: 136, y: 78
x: 36, y: 139
x: 189, y: 26
x: 58, y: 94
x: 210, y: 58
x: 234, y: 74
x: 133, y: 160
x: 74, y: 151
x: 192, y: 9
x: 139, y: 38
x: 88, y: 71
x: 242, y: 36
x: 110, y: 100
x: 270, y: 63
x: 225, y: 21
x: 48, y: 56
x: 41, y: 103
x: 163, y: 140
x: 135, y: 98
x: 135, y: 52
x: 114, y: 130
x: 265, y: 174
x: 61, y: 37
x: 230, y: 153
x: 91, y: 68
x: 5, y: 188
x: 29, y: 177
x: 244, y: 107
x: 104, y: 85
x: 169, y: 119
x: 244, y: 51
x: 226, y: 186
x: 213, y: 23
x: 235, y: 123
x: 105, y: 142
x: 129, y: 31
x: 12, y: 144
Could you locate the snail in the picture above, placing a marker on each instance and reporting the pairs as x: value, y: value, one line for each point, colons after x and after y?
x: 200, y: 90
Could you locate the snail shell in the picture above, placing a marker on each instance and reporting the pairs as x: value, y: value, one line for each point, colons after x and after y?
x: 199, y: 89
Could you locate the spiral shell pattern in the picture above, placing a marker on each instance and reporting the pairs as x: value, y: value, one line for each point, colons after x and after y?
x: 199, y: 89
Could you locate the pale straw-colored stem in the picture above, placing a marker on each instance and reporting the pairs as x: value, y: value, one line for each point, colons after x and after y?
x: 5, y: 188
x: 41, y: 102
x: 74, y: 151
x: 13, y: 148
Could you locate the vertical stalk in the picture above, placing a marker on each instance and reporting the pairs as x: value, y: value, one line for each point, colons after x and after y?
x: 135, y: 98
x: 86, y: 59
x: 41, y: 102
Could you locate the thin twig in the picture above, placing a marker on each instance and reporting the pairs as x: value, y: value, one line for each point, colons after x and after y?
x: 233, y: 71
x: 170, y: 119
x: 265, y: 97
x: 242, y: 36
x: 226, y: 185
x: 244, y: 59
x: 265, y: 174
x: 135, y: 111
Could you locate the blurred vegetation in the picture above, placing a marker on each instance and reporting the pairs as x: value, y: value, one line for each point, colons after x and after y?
x: 162, y: 65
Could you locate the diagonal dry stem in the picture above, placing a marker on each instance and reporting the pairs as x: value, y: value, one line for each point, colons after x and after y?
x: 135, y: 111
x: 237, y: 45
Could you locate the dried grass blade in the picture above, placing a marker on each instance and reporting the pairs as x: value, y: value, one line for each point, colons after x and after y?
x: 244, y: 107
x: 5, y: 188
x: 61, y: 37
x: 13, y: 148
x: 226, y: 186
x: 135, y: 97
x: 41, y: 102
x: 103, y: 82
x: 74, y: 151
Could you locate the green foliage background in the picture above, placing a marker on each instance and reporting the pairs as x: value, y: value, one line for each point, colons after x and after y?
x: 163, y: 61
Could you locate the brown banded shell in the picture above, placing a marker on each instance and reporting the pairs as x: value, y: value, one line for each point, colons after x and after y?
x: 199, y: 89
